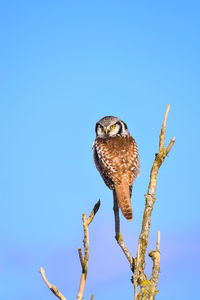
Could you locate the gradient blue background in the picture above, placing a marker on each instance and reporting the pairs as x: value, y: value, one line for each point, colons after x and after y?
x: 63, y: 66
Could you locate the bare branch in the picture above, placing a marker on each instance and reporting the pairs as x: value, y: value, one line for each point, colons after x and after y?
x: 93, y: 212
x: 169, y: 147
x: 155, y: 256
x: 118, y: 235
x: 81, y: 257
x: 158, y: 241
x: 81, y: 287
x: 148, y: 287
x: 84, y: 261
x: 52, y: 287
x: 162, y: 132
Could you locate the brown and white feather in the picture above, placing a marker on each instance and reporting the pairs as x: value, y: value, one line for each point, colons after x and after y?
x: 117, y: 160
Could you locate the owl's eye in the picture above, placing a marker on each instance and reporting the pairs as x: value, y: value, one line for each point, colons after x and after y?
x: 112, y: 127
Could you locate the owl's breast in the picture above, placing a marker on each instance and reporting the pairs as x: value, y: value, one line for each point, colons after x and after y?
x: 118, y: 158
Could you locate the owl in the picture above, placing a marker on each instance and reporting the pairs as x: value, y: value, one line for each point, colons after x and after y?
x: 117, y: 160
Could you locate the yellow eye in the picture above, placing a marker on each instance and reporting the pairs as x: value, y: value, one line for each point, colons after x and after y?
x: 112, y: 127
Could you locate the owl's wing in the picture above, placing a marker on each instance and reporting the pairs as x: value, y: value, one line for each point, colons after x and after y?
x: 102, y: 170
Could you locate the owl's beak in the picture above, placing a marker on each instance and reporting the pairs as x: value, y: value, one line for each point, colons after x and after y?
x: 106, y: 130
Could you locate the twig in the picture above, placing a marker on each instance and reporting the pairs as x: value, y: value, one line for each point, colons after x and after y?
x: 52, y: 287
x: 81, y: 257
x: 148, y: 287
x: 118, y: 235
x: 169, y: 147
x: 84, y: 261
x: 162, y: 132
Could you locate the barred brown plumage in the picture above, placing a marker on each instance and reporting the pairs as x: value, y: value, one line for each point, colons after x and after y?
x: 117, y: 160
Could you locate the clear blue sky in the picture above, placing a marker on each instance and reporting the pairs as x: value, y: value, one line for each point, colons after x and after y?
x: 63, y: 66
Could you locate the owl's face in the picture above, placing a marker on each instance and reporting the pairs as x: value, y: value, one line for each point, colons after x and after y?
x: 110, y: 127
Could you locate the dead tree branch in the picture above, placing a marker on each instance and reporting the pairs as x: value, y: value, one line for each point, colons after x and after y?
x: 83, y: 261
x: 147, y: 287
x: 52, y: 287
x: 118, y: 235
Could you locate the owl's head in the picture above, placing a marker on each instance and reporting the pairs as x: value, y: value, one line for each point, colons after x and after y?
x: 110, y: 127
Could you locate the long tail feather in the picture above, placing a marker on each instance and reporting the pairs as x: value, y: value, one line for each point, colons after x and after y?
x: 124, y: 200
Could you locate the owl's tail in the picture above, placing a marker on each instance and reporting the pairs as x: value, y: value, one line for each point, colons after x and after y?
x: 124, y: 200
